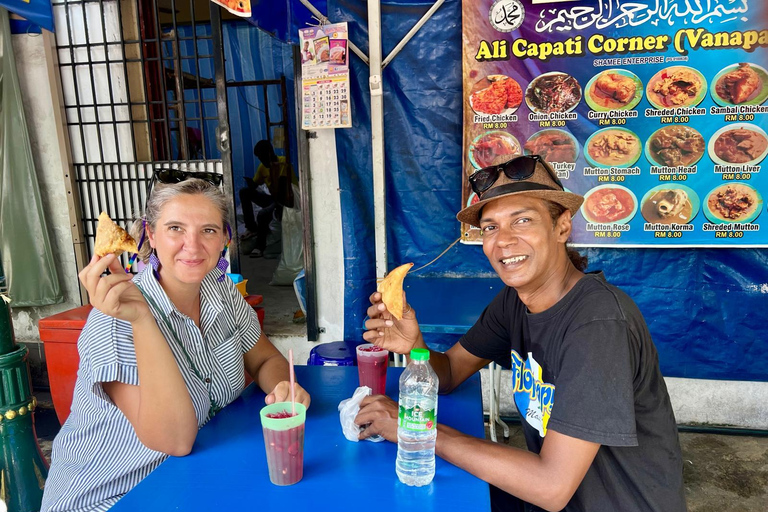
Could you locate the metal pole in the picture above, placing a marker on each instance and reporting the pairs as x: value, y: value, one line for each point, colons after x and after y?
x: 22, y: 465
x: 377, y: 137
x: 223, y: 129
x: 302, y: 160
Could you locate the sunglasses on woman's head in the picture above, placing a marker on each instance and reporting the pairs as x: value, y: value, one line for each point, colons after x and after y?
x: 172, y: 176
x: 517, y: 169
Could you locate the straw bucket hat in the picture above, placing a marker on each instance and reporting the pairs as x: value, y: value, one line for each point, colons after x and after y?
x: 540, y: 184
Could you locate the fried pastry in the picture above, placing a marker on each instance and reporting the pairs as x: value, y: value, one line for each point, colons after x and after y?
x: 111, y: 238
x: 391, y: 289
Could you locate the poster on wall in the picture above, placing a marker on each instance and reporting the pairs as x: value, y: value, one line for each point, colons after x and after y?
x: 325, y: 77
x: 654, y: 111
x: 241, y: 8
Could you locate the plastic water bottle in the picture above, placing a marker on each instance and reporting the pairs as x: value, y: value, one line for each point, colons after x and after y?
x: 417, y: 421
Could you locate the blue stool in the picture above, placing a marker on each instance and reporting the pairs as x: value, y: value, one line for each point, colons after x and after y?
x: 336, y: 353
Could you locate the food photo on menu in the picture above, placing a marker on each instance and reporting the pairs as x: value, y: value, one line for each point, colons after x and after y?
x: 609, y: 204
x: 739, y: 144
x: 676, y: 86
x: 670, y: 204
x: 744, y: 83
x: 553, y: 92
x: 613, y: 147
x: 496, y: 94
x: 553, y: 145
x: 493, y: 148
x: 614, y: 89
x: 733, y: 202
x: 675, y: 145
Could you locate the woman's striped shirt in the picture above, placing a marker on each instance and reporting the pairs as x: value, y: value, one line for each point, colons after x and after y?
x: 97, y: 456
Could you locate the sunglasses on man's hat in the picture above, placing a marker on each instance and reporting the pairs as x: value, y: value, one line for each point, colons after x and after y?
x: 518, y: 169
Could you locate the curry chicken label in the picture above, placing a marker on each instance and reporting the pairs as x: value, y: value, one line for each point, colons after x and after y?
x: 655, y: 112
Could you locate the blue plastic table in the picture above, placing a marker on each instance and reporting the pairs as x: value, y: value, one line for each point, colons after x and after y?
x: 227, y: 469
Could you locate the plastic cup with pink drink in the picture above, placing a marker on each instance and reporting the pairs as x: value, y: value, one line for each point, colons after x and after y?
x: 284, y: 441
x: 372, y: 363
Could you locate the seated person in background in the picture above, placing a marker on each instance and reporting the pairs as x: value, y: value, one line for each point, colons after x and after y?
x: 161, y: 353
x: 596, y: 415
x: 277, y: 174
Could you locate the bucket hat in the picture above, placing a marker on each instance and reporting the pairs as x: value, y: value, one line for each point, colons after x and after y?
x: 531, y: 176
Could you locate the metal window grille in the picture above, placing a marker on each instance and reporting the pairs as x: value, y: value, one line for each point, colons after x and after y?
x: 139, y: 86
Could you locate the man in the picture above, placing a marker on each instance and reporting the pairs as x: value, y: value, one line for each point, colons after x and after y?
x: 277, y: 174
x: 595, y: 411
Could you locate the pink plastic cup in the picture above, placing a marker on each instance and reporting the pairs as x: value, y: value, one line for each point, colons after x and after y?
x: 284, y: 442
x: 372, y: 363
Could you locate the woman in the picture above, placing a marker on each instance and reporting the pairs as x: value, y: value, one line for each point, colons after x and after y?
x: 161, y: 353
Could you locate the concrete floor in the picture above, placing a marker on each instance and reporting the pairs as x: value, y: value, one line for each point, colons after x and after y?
x: 280, y: 303
x: 722, y: 473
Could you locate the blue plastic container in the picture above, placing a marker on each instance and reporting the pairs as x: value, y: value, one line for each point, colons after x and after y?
x: 336, y: 353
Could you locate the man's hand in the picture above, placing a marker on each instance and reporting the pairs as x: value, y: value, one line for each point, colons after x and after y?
x: 282, y: 393
x: 386, y: 331
x: 379, y: 413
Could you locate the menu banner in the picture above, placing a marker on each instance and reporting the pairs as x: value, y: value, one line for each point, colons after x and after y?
x: 653, y: 111
x: 325, y: 77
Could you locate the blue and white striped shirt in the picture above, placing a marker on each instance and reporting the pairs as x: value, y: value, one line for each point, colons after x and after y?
x: 97, y: 456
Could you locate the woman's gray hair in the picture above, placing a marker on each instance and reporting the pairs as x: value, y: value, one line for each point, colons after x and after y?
x: 162, y: 194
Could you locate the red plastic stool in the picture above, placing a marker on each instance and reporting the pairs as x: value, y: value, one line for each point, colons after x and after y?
x: 59, y: 335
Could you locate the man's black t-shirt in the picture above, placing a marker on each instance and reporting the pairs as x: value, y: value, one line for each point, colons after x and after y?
x: 587, y: 368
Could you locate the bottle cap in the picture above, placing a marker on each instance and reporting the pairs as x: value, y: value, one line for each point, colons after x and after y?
x: 420, y: 354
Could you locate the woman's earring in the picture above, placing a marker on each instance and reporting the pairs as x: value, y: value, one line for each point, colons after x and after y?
x: 223, y: 264
x: 154, y: 262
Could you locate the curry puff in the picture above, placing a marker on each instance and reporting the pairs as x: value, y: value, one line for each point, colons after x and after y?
x: 391, y: 289
x: 111, y: 238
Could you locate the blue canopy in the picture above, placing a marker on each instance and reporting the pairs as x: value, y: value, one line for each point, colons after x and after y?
x: 38, y: 12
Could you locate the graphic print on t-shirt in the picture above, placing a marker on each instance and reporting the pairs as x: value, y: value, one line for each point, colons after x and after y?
x: 534, y: 397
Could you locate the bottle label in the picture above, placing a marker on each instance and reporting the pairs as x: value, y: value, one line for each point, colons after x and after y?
x: 417, y: 418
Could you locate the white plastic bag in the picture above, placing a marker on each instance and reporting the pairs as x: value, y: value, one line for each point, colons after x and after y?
x: 292, y: 257
x: 348, y: 410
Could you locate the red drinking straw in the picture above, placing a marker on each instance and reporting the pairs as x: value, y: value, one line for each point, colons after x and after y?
x: 293, y: 387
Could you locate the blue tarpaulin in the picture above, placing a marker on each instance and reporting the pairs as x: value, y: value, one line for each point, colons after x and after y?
x: 283, y: 19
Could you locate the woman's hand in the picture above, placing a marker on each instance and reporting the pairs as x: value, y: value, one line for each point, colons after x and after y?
x: 282, y: 393
x: 114, y: 295
x: 378, y: 413
x: 384, y: 330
